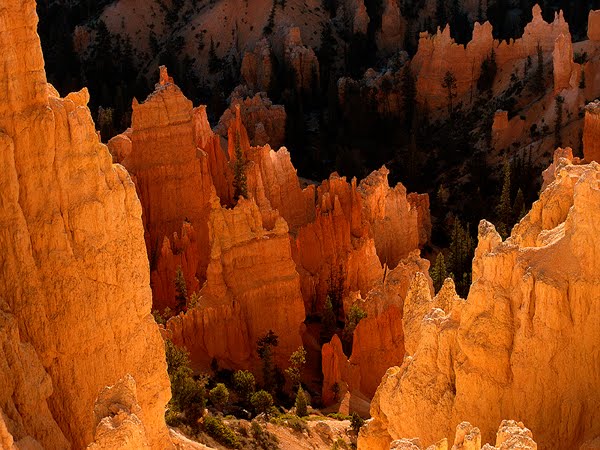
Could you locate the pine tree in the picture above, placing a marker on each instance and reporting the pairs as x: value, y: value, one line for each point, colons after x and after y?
x: 439, y: 272
x: 328, y: 321
x: 265, y: 347
x: 449, y: 84
x: 214, y: 62
x: 240, y: 184
x: 297, y: 363
x: 180, y: 290
x: 301, y: 403
x: 504, y: 208
x: 558, y: 109
x: 354, y: 316
x: 519, y: 210
x: 538, y: 76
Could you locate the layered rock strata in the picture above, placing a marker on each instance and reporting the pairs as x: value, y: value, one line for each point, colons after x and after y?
x: 74, y: 278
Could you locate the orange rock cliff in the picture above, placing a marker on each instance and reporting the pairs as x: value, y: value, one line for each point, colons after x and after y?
x: 74, y: 281
x: 533, y: 305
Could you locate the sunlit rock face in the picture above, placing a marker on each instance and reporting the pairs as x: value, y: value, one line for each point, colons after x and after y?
x: 523, y: 344
x: 74, y: 279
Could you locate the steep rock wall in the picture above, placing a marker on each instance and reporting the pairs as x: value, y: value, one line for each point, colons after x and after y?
x: 524, y: 343
x: 74, y: 273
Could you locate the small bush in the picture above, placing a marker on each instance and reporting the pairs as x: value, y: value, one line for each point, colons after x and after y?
x: 264, y: 439
x: 339, y: 416
x: 356, y: 422
x: 219, y: 396
x: 215, y: 428
x: 262, y: 402
x: 296, y: 424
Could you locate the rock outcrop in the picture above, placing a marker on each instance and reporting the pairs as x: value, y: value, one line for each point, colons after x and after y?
x: 593, y: 31
x: 533, y: 304
x: 302, y: 61
x: 252, y: 286
x: 511, y: 435
x: 565, y: 74
x: 173, y: 177
x: 74, y: 279
x: 591, y: 132
x: 264, y: 121
x: 378, y: 341
x: 257, y: 67
x: 399, y: 223
x: 390, y: 38
x: 438, y: 54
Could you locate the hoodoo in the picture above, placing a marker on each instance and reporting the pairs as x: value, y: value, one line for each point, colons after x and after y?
x: 74, y: 281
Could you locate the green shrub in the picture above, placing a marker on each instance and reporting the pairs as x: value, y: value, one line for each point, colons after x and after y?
x: 215, y: 428
x: 262, y: 402
x: 339, y: 416
x: 301, y: 403
x: 219, y: 396
x: 262, y: 438
x: 244, y: 384
x: 356, y: 422
x: 296, y: 424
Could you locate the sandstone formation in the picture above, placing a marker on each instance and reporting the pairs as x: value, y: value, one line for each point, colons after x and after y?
x: 74, y: 279
x: 171, y: 154
x: 355, y: 14
x: 511, y: 435
x: 591, y: 132
x: 117, y: 415
x: 264, y: 121
x: 438, y: 54
x: 257, y: 67
x: 593, y: 31
x: 399, y: 223
x: 252, y: 286
x: 390, y: 38
x: 533, y: 304
x: 565, y: 75
x: 378, y: 341
x: 301, y: 60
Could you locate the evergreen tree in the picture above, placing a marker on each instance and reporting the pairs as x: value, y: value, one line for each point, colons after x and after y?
x: 439, y: 272
x: 354, y: 316
x: 504, y: 209
x: 449, y: 84
x: 538, y: 84
x: 240, y: 184
x: 244, y: 384
x: 409, y: 91
x: 265, y: 347
x: 219, y: 396
x: 262, y: 402
x: 214, y: 62
x: 297, y: 363
x: 558, y: 109
x: 519, y: 210
x: 301, y: 403
x: 328, y: 320
x: 180, y: 290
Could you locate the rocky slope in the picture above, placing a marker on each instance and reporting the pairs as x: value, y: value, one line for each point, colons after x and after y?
x: 74, y: 279
x: 525, y: 340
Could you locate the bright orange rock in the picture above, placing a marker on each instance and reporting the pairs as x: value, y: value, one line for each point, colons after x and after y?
x: 264, y: 121
x: 74, y: 279
x: 252, y: 286
x: 593, y: 31
x: 173, y: 180
x: 532, y: 305
x: 565, y: 75
x: 591, y: 132
x: 378, y: 341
